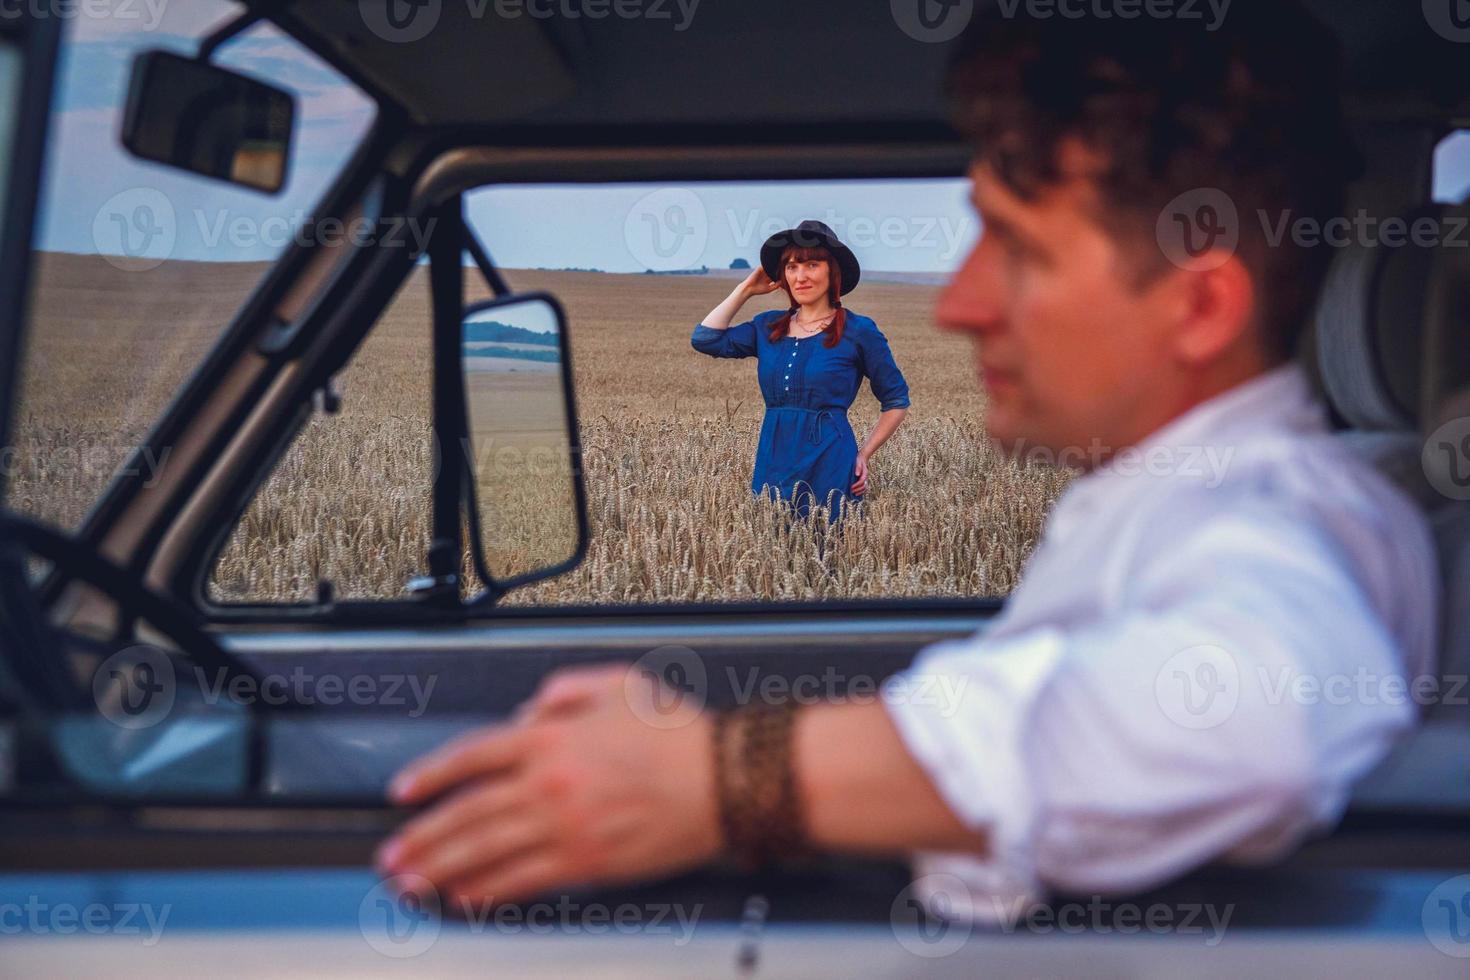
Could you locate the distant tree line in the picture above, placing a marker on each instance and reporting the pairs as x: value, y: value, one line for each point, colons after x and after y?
x: 493, y: 331
x: 701, y: 271
x: 516, y: 353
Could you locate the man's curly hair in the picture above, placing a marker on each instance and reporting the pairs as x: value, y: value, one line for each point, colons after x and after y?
x: 1252, y: 109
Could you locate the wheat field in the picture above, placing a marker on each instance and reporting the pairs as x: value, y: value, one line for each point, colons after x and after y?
x: 668, y: 440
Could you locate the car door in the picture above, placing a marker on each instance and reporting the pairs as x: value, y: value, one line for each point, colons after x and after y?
x: 428, y: 667
x: 433, y: 663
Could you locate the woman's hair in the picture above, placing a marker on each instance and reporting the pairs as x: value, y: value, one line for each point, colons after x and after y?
x: 782, y: 326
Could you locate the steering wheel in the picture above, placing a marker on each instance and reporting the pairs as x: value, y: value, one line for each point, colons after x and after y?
x: 32, y: 639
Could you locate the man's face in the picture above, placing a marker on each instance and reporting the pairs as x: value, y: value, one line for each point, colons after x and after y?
x: 1071, y: 353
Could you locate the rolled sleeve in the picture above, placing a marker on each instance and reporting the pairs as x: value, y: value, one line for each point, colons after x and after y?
x: 882, y: 372
x: 735, y: 341
x: 972, y: 745
x: 1114, y: 756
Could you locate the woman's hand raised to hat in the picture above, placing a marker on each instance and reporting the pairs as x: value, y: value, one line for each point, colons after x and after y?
x: 758, y: 283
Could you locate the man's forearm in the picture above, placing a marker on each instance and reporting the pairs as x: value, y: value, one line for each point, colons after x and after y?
x: 863, y: 792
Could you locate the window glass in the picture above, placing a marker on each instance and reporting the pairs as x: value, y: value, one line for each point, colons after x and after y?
x: 670, y: 435
x: 1452, y: 168
x: 12, y: 70
x: 140, y: 267
x: 350, y: 502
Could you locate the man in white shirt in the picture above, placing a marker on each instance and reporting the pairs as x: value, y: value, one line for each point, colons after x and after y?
x: 1203, y: 653
x: 1200, y: 661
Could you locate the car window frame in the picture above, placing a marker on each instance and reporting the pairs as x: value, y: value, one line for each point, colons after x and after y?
x: 286, y: 273
x: 36, y: 42
x: 439, y: 186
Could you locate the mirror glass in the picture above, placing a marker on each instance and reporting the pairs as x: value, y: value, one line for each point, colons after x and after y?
x: 519, y: 451
x: 208, y: 120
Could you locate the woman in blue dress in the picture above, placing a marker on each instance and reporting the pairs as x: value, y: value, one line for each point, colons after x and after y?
x: 811, y: 360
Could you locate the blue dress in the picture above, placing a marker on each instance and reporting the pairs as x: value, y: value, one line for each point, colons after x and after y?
x: 807, y: 451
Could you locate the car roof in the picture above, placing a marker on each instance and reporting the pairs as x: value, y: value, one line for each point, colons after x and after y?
x: 762, y: 63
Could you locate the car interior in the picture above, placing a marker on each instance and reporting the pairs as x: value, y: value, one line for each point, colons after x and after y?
x: 261, y: 822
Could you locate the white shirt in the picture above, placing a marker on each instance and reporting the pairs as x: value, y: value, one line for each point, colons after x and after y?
x: 1208, y: 647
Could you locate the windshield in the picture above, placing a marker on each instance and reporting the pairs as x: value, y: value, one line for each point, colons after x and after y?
x: 139, y: 267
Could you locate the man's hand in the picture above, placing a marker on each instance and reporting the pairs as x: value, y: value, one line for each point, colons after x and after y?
x: 578, y: 788
x: 605, y: 777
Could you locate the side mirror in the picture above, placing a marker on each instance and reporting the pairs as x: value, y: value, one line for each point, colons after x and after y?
x: 528, y: 511
x: 205, y: 119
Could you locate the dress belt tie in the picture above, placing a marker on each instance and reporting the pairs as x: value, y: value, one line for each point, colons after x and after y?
x: 814, y: 425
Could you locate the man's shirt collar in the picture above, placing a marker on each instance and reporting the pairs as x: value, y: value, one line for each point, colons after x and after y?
x: 1198, y: 446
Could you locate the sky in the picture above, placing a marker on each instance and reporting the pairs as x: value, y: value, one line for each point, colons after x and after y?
x: 90, y: 179
x: 908, y: 225
x: 97, y: 198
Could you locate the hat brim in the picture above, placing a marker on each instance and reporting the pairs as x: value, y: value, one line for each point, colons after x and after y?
x: 847, y: 263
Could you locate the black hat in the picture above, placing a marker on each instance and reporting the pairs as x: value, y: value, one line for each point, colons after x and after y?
x: 810, y: 234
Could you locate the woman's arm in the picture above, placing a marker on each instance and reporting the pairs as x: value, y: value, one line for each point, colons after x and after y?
x: 719, y: 318
x: 888, y: 385
x: 891, y: 390
x: 714, y: 335
x: 888, y: 423
x: 755, y: 284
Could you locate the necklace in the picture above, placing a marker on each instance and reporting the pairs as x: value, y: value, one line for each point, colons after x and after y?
x: 806, y: 323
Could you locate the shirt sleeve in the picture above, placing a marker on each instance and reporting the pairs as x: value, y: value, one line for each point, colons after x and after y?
x: 737, y: 340
x: 1218, y: 715
x: 882, y: 372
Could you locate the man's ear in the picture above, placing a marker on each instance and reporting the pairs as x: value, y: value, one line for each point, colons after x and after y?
x: 1215, y: 308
